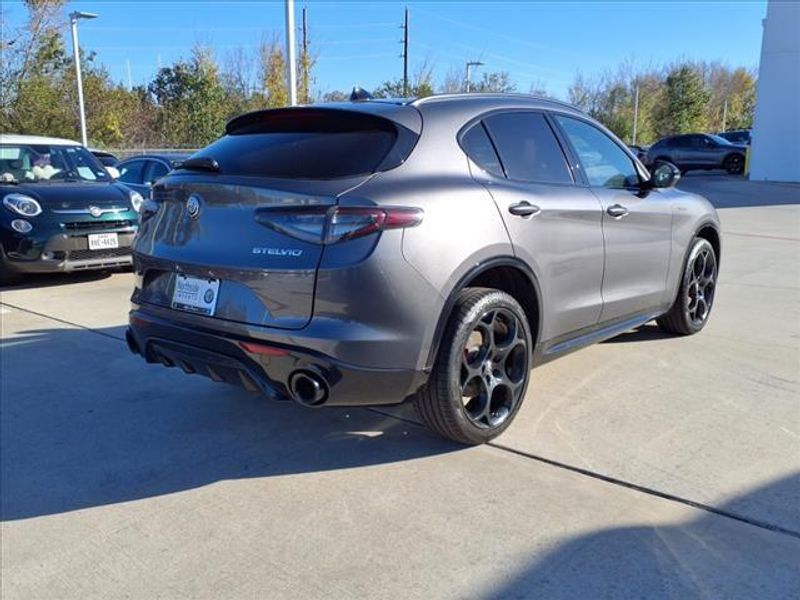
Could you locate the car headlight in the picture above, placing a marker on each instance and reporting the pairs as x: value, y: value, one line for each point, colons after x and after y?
x: 136, y: 200
x: 22, y: 205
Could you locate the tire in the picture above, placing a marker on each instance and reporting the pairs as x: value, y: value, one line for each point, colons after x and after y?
x: 692, y: 308
x: 486, y: 354
x: 734, y: 164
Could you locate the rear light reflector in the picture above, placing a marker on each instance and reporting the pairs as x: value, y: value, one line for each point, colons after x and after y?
x: 331, y: 225
x: 263, y: 349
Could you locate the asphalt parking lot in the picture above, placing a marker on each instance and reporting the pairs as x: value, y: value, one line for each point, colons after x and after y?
x: 646, y: 466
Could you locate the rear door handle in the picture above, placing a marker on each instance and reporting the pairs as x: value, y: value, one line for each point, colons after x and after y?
x: 617, y: 211
x: 524, y: 209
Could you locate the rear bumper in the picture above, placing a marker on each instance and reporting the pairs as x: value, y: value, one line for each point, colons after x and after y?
x: 266, y: 367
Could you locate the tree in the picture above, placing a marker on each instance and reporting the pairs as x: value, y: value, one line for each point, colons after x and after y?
x: 190, y: 100
x: 421, y: 84
x: 684, y: 109
x: 498, y: 81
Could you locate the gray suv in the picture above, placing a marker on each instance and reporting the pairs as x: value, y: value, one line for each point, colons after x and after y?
x: 699, y: 151
x: 434, y: 250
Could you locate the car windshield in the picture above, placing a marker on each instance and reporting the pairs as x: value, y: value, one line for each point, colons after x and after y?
x: 720, y: 140
x: 43, y: 163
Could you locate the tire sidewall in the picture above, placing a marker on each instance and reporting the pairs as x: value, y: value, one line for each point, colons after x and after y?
x: 698, y: 244
x: 457, y: 339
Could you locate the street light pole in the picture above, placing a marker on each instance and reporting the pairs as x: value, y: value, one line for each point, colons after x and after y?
x: 635, y: 114
x: 291, y: 65
x: 470, y: 64
x: 73, y: 19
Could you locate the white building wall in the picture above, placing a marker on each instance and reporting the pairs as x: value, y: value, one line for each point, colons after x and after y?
x: 775, y: 149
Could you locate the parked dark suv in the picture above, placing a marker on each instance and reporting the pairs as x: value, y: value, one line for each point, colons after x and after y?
x: 437, y: 249
x: 699, y: 151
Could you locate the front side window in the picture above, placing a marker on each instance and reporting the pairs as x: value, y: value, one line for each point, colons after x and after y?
x: 40, y: 163
x: 603, y: 161
x: 528, y: 148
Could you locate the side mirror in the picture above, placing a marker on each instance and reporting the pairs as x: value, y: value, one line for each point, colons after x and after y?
x: 665, y: 175
x: 113, y: 172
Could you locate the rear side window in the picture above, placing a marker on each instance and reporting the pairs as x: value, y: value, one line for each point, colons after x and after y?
x: 132, y: 172
x: 478, y: 146
x: 528, y: 148
x: 310, y: 144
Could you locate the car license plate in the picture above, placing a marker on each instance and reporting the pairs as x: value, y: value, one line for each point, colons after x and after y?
x: 103, y: 241
x: 196, y: 295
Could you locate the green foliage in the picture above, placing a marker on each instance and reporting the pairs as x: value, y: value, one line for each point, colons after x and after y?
x: 497, y: 81
x: 187, y: 103
x: 190, y: 101
x: 686, y: 96
x: 681, y: 98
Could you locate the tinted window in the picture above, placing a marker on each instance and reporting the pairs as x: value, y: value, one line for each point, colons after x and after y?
x: 604, y: 162
x: 307, y: 144
x: 681, y: 141
x: 131, y: 172
x: 528, y: 148
x: 478, y: 146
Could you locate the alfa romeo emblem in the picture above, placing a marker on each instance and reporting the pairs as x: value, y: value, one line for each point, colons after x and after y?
x: 193, y: 206
x: 95, y: 211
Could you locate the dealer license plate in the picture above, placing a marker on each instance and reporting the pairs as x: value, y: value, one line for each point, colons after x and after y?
x: 196, y: 295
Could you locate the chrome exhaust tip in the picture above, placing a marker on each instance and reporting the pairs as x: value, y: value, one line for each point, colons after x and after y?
x: 308, y: 388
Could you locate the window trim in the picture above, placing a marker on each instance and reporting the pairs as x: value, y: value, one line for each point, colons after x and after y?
x: 481, y: 119
x: 641, y: 173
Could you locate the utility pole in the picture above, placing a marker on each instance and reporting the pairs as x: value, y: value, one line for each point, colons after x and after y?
x: 291, y: 64
x: 725, y: 116
x: 304, y: 60
x: 635, y: 113
x: 130, y: 80
x: 404, y: 56
x: 470, y: 64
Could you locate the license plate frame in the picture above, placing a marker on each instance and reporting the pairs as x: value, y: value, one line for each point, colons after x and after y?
x: 196, y: 295
x: 103, y: 241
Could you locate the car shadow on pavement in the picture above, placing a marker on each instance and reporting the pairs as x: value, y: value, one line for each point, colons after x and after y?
x: 643, y: 333
x: 85, y: 423
x: 34, y: 281
x: 708, y: 557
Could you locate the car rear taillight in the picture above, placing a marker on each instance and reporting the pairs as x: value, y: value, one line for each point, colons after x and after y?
x: 330, y: 225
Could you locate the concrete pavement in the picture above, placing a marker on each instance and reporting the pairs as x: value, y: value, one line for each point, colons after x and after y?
x: 120, y: 479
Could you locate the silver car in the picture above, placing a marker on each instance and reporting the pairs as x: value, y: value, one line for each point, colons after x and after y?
x: 432, y: 250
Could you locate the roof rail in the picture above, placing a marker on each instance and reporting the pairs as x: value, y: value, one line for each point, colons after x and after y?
x: 493, y: 95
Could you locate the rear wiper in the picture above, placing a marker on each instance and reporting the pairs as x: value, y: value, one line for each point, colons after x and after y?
x: 201, y: 163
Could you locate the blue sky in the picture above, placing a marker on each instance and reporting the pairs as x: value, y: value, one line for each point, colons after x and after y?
x: 357, y: 42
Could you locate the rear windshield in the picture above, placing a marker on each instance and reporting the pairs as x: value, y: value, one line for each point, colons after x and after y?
x: 309, y: 144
